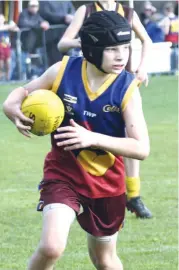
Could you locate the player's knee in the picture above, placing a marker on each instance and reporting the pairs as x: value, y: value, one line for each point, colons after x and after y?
x: 52, y: 251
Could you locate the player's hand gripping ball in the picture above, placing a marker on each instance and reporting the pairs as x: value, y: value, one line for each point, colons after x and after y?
x: 46, y: 110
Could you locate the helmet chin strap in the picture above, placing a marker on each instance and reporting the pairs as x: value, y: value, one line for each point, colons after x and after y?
x: 100, y: 68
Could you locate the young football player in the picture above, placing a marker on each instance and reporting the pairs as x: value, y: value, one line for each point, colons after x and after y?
x: 84, y: 173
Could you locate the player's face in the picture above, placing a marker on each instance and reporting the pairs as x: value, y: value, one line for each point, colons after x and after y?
x: 34, y: 8
x: 115, y: 58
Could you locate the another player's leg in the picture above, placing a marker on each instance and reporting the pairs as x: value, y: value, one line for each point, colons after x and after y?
x: 102, y: 251
x: 57, y: 219
x: 132, y: 168
x: 7, y: 68
x: 1, y: 69
x: 134, y: 202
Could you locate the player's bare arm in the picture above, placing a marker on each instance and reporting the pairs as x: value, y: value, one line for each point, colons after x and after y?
x: 68, y: 40
x: 135, y: 146
x: 13, y: 102
x: 146, y: 46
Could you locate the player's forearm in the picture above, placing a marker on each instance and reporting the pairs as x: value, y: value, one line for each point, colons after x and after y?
x: 146, y: 48
x: 5, y: 27
x: 126, y: 147
x: 15, y: 98
x: 65, y: 45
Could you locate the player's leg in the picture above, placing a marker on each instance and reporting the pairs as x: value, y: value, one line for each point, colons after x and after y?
x: 1, y: 69
x: 102, y: 251
x: 57, y: 219
x: 132, y: 168
x: 59, y: 203
x: 134, y: 204
x: 1, y: 62
x: 7, y: 68
x: 100, y: 218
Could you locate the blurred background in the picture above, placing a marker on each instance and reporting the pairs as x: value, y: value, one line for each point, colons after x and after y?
x: 31, y: 30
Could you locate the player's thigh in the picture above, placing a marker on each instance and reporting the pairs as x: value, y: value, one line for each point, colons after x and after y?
x: 57, y: 219
x: 8, y: 62
x: 1, y: 64
x: 102, y: 250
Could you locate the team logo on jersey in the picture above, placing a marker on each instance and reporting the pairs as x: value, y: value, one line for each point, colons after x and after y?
x: 70, y: 98
x: 95, y: 161
x: 69, y: 109
x: 89, y: 114
x: 110, y: 108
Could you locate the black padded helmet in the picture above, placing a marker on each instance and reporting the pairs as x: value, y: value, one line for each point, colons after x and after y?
x: 103, y: 29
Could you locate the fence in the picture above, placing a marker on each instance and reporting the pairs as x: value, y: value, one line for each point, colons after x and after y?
x: 21, y: 41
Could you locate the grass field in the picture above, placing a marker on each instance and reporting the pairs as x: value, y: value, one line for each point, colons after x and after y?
x: 143, y: 244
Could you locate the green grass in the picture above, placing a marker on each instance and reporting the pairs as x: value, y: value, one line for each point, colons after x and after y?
x: 143, y: 244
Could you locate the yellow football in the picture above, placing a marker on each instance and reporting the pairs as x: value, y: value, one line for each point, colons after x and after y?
x: 46, y: 109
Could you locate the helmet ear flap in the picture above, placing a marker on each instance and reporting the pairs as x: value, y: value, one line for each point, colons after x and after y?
x: 93, y: 55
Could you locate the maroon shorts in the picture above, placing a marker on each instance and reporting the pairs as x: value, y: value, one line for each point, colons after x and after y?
x: 5, y: 52
x: 100, y: 217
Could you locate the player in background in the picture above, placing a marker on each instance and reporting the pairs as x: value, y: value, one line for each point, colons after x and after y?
x: 70, y: 40
x: 84, y: 173
x: 5, y: 47
x: 170, y: 26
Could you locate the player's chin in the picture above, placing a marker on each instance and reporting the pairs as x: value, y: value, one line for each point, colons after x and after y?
x: 116, y: 71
